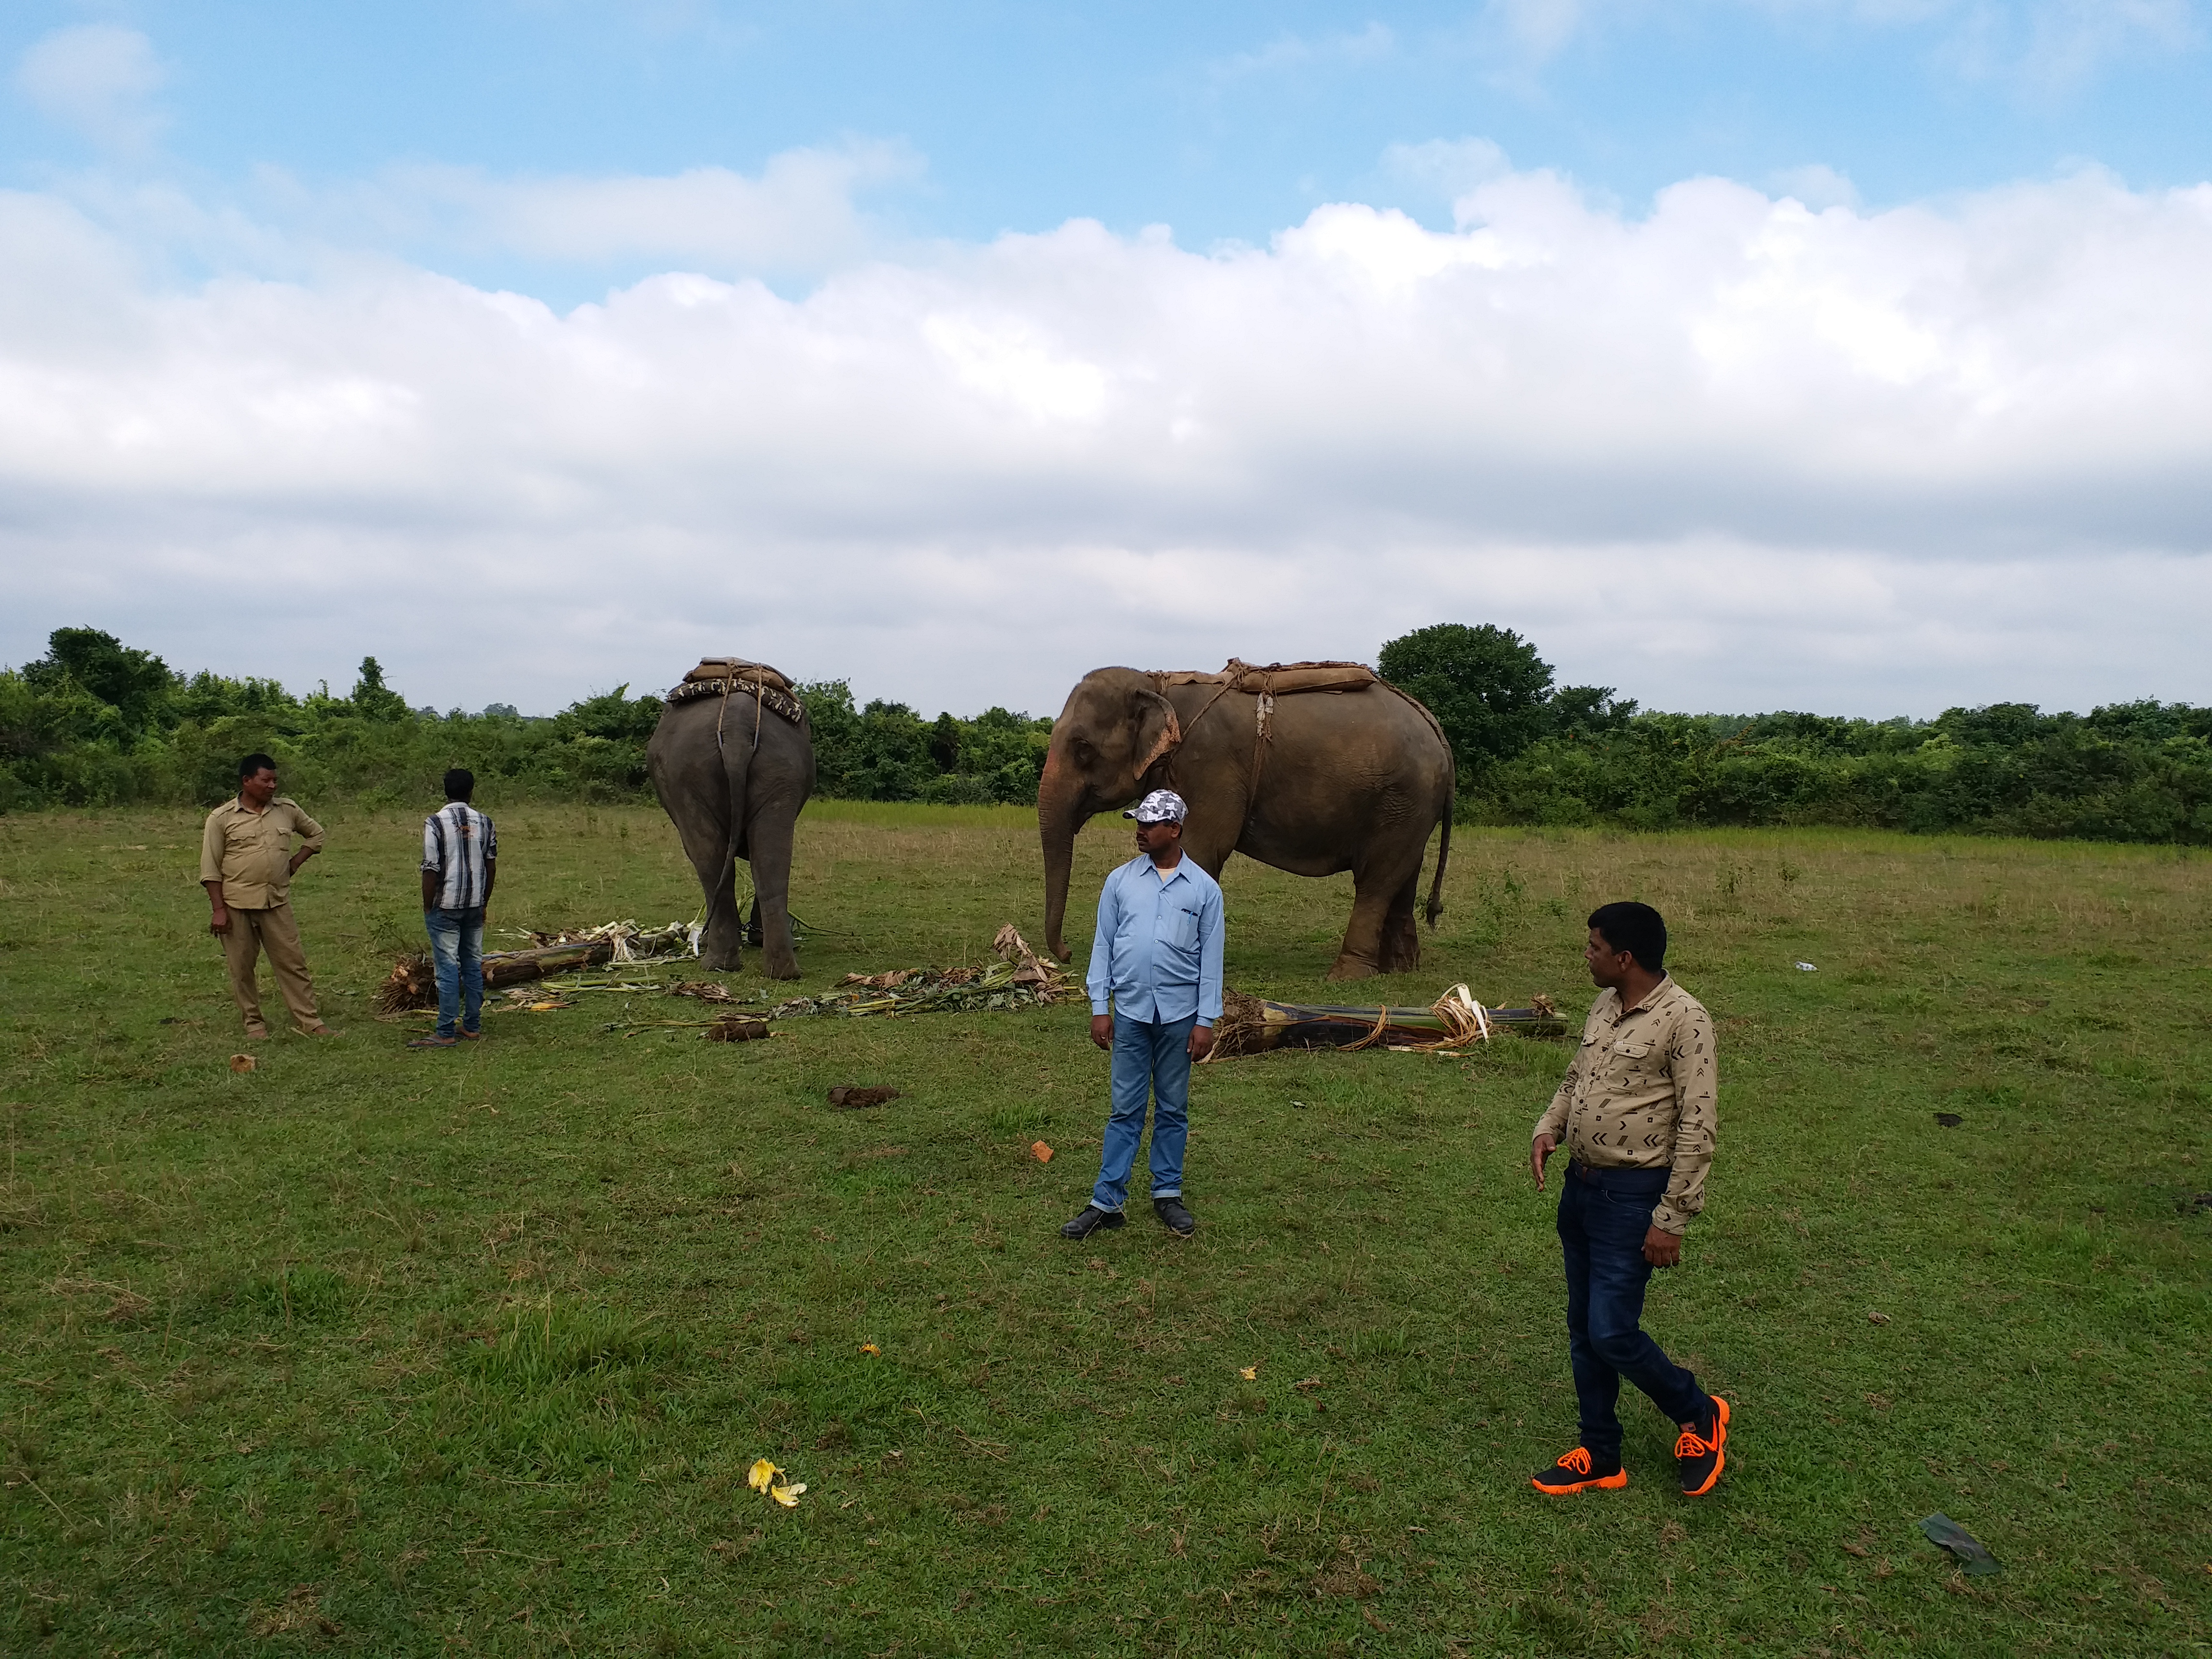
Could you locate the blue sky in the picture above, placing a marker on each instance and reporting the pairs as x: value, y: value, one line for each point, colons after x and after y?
x: 1225, y: 122
x: 1868, y: 343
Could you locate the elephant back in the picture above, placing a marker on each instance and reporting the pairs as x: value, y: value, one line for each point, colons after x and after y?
x: 724, y: 676
x: 1278, y: 679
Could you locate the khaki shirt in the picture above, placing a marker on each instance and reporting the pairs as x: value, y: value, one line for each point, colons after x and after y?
x: 250, y: 852
x: 1641, y: 1095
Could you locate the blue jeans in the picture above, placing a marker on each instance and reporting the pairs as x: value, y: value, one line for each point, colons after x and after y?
x: 1152, y: 1063
x: 457, y: 953
x: 1601, y: 1228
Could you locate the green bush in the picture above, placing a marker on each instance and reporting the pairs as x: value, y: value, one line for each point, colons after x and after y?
x: 95, y: 723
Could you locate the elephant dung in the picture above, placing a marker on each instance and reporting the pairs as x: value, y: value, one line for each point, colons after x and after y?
x: 736, y: 1028
x: 852, y: 1096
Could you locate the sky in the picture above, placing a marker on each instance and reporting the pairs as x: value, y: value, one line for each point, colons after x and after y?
x: 1852, y: 356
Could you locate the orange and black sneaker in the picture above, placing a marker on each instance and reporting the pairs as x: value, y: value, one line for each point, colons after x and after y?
x: 1699, y: 1450
x: 1577, y: 1472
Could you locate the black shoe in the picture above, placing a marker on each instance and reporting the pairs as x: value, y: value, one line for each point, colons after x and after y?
x: 1092, y: 1220
x: 1699, y: 1454
x: 1176, y: 1219
x: 1579, y: 1472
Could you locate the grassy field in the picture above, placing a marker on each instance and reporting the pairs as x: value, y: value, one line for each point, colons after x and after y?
x: 399, y: 1353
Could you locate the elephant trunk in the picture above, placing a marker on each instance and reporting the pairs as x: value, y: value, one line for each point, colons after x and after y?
x: 1062, y: 810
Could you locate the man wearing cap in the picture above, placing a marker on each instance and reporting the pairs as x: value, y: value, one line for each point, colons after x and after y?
x: 1156, y: 958
x: 246, y: 865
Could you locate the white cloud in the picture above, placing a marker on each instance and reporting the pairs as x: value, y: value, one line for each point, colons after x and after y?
x: 1450, y: 166
x: 2043, y: 49
x: 1817, y: 185
x: 1296, y: 52
x: 801, y: 214
x: 1737, y: 454
x: 2051, y: 47
x: 1538, y: 29
x: 98, y: 79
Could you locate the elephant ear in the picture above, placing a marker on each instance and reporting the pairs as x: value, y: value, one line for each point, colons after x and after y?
x: 1158, y: 731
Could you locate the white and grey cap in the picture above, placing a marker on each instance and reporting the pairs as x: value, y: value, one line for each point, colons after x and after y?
x: 1161, y: 807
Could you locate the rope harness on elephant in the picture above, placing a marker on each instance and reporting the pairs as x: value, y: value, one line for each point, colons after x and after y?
x: 720, y: 676
x: 1264, y: 684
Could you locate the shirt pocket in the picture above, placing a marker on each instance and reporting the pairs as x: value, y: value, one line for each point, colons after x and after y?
x: 1641, y: 1059
x: 1179, y: 925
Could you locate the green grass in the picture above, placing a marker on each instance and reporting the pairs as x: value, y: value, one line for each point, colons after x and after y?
x: 394, y: 1352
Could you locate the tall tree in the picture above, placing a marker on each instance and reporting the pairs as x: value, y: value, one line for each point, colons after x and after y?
x: 132, y: 682
x: 1486, y: 684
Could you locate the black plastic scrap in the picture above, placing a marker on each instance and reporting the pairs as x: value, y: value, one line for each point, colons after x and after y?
x: 1947, y: 1535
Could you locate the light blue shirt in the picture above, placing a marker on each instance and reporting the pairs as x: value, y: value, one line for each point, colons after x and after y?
x: 1157, y: 950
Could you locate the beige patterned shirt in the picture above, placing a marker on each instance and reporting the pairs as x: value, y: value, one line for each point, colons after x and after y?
x: 250, y: 852
x: 1640, y: 1093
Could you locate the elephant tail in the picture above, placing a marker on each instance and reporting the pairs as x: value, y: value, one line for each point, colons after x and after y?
x: 1435, y: 905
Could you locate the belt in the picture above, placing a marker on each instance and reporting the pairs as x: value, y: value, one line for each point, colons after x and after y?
x: 1622, y: 1179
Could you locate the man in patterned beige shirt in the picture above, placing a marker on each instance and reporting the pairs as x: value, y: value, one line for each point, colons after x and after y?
x: 246, y: 865
x: 1637, y: 1113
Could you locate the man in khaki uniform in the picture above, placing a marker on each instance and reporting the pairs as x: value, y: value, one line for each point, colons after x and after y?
x: 246, y: 865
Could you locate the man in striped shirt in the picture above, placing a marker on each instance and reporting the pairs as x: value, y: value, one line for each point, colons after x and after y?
x: 460, y: 862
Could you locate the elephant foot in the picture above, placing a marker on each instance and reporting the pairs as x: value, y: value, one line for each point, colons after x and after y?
x: 1352, y: 968
x: 781, y: 970
x: 720, y: 962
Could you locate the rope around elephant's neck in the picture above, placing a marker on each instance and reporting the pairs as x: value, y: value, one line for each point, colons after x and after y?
x: 1261, y: 738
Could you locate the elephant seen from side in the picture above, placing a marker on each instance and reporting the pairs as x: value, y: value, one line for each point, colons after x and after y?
x: 733, y: 761
x: 1311, y: 768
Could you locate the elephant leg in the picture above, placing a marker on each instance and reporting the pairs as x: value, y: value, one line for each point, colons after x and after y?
x: 1401, y: 937
x: 752, y: 924
x: 720, y: 944
x: 769, y: 837
x: 1383, y: 878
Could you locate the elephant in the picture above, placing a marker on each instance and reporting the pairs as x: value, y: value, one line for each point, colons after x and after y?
x: 733, y: 761
x: 1305, y: 780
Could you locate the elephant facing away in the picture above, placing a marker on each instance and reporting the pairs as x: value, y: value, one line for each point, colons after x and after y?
x: 733, y: 761
x: 1310, y: 781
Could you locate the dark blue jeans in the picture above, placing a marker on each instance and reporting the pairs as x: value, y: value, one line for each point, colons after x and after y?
x: 1152, y: 1066
x: 1601, y: 1228
x: 457, y: 953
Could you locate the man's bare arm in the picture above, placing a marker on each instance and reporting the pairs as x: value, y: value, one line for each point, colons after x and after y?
x: 219, y: 923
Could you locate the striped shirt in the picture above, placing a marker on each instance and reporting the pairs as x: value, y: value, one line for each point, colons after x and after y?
x: 458, y: 842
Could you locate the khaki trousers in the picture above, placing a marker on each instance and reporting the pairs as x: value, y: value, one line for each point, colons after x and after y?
x: 253, y: 932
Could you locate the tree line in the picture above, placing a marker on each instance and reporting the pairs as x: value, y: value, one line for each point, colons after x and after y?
x: 97, y: 723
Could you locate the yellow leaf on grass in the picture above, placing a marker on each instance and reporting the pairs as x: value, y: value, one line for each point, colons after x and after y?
x: 788, y: 1496
x: 1250, y: 1373
x: 762, y: 1475
x: 1039, y: 1151
x: 870, y: 1347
